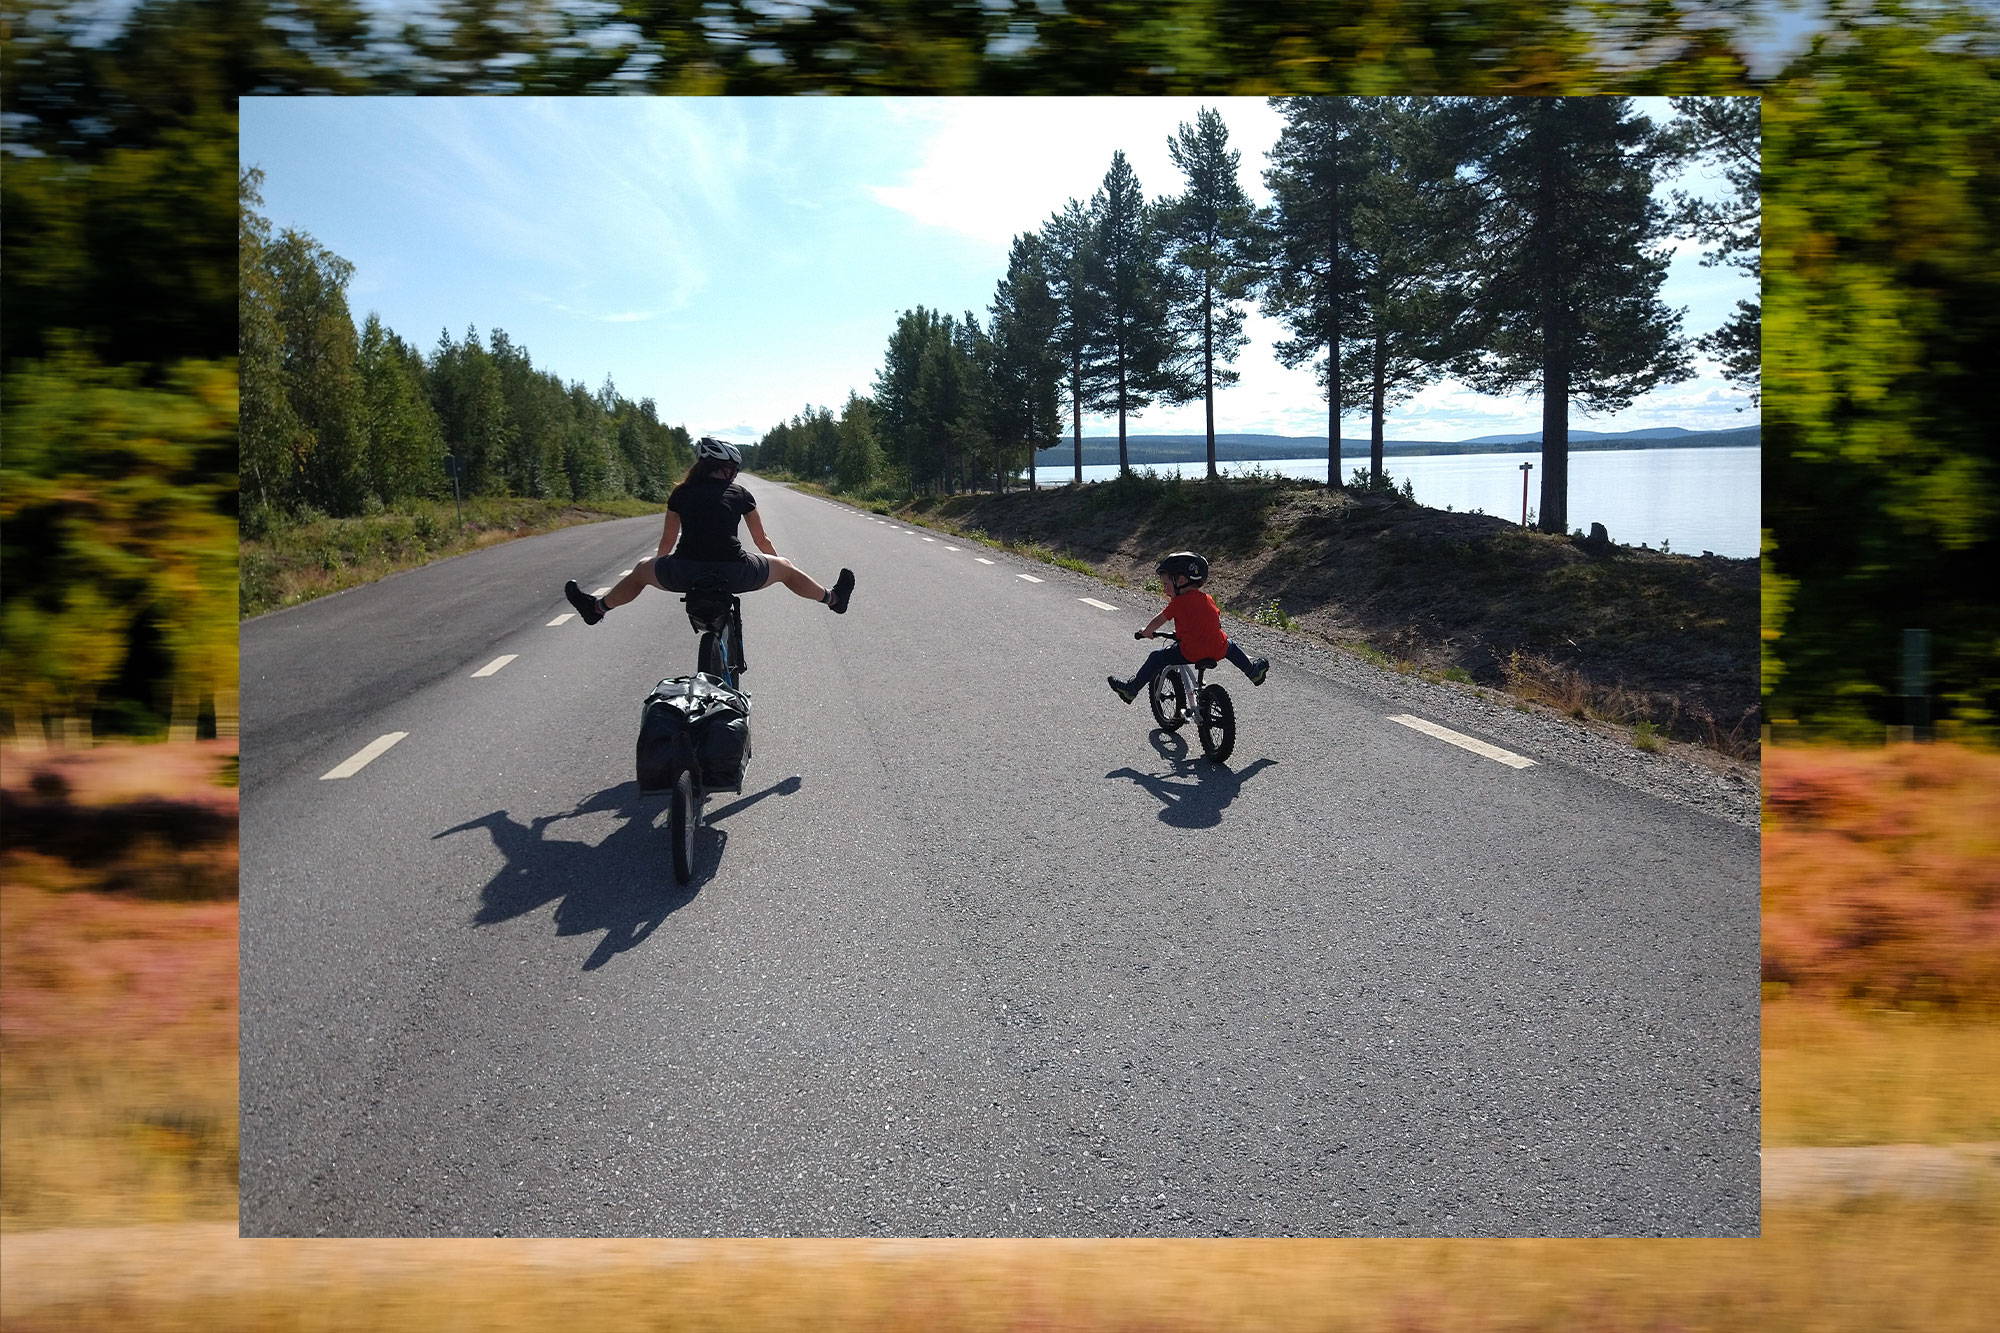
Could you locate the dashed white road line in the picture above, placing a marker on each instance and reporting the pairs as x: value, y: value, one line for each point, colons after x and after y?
x: 494, y: 665
x: 982, y: 559
x: 1092, y: 601
x: 1463, y: 742
x: 363, y: 757
x: 601, y: 591
x: 1029, y: 577
x: 951, y: 548
x: 567, y: 615
x: 930, y: 539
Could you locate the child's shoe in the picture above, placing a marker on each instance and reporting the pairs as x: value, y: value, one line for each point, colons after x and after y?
x: 590, y: 608
x: 1122, y: 688
x: 1260, y: 669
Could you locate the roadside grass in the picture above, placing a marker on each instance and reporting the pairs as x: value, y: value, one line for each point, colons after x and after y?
x: 284, y: 562
x: 1280, y: 527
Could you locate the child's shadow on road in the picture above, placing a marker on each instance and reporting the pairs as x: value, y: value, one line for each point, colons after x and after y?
x: 623, y: 886
x: 1195, y: 803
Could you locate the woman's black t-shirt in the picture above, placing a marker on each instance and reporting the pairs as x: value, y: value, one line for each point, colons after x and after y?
x: 710, y: 509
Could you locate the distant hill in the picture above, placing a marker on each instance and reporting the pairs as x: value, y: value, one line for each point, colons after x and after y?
x: 1141, y: 449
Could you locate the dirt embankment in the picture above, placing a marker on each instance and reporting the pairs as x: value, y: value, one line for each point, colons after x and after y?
x: 1619, y: 634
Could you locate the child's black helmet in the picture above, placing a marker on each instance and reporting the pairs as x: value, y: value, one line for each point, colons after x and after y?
x: 1187, y: 564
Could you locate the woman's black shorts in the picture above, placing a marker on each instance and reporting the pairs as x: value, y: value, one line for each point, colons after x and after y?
x: 678, y: 574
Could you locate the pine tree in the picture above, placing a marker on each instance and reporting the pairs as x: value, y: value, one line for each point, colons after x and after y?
x: 1726, y: 131
x: 1025, y: 369
x: 1412, y: 254
x: 1068, y: 249
x: 1143, y: 355
x: 1213, y: 236
x: 1315, y: 166
x: 859, y: 462
x: 1569, y: 306
x: 404, y: 457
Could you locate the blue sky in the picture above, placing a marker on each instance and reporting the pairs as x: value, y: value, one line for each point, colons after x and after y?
x: 739, y: 259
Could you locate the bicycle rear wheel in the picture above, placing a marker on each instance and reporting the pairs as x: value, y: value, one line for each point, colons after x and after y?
x: 708, y: 657
x: 1215, y: 719
x: 1165, y: 696
x: 682, y: 820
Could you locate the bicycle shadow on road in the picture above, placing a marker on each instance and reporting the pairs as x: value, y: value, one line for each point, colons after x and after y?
x: 1190, y: 804
x: 623, y: 886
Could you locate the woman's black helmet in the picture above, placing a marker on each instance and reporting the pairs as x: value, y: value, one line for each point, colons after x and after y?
x: 1186, y: 564
x: 710, y: 447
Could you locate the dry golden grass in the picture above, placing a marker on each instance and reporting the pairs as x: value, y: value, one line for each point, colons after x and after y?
x: 1835, y: 1076
x: 118, y: 1084
x: 1893, y: 1266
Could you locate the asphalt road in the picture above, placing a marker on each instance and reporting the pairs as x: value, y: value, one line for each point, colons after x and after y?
x: 976, y: 952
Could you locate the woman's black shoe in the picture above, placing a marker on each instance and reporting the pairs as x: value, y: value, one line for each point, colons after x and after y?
x: 589, y: 608
x: 843, y: 588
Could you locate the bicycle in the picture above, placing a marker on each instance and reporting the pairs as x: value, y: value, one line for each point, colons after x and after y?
x: 1181, y: 693
x: 717, y: 617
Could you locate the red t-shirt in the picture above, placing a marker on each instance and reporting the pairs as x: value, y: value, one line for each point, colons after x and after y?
x: 1199, y: 623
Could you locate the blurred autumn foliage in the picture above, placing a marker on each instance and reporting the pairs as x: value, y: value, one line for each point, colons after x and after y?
x: 1882, y: 875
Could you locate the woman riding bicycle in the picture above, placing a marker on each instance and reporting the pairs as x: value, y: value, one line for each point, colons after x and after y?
x: 698, y: 545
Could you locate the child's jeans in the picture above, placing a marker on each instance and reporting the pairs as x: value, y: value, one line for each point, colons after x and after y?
x: 1170, y: 655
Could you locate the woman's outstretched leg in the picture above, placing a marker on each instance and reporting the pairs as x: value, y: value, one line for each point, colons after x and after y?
x: 592, y: 609
x: 785, y: 572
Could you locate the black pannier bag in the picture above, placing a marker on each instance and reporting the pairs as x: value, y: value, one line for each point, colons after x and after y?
x: 693, y: 722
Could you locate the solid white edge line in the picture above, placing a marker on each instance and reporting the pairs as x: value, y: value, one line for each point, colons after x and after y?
x: 1450, y: 737
x: 567, y: 615
x: 494, y: 665
x: 1092, y: 601
x: 363, y: 757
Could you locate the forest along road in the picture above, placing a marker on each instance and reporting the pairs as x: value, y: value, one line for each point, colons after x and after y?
x: 976, y: 952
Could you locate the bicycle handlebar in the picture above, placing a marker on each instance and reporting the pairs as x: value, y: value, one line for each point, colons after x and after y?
x: 1158, y: 634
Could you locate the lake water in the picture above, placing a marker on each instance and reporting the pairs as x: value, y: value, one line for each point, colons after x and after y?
x: 1692, y: 500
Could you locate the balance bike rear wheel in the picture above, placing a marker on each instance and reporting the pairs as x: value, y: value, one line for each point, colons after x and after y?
x: 1215, y: 718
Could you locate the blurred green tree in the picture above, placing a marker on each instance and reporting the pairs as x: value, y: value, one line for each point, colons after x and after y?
x: 1882, y: 316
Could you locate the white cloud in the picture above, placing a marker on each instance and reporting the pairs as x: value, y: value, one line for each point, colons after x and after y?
x: 991, y: 168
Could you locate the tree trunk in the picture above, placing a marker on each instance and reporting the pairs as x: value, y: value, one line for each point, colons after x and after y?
x: 1076, y: 409
x: 1555, y: 441
x: 1554, y: 516
x: 1333, y: 336
x: 1124, y: 461
x: 1375, y: 412
x: 1208, y: 361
